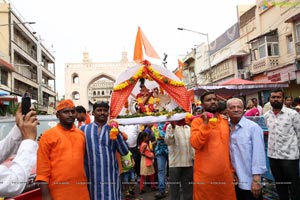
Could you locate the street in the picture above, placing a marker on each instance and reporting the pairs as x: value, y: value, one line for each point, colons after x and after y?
x: 149, y: 195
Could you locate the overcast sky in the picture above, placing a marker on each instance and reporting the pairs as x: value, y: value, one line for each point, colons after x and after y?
x: 106, y: 28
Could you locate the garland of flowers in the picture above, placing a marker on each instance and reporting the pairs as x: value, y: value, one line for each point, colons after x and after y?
x: 126, y: 107
x: 142, y: 73
x: 212, y: 121
x: 114, y: 131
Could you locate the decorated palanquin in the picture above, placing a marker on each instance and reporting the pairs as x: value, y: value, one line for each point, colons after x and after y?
x: 148, y: 93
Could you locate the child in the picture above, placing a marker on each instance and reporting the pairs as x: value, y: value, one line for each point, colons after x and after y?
x: 147, y: 167
x: 128, y: 174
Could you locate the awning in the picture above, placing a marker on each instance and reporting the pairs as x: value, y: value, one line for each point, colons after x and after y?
x: 272, y: 32
x: 8, y: 98
x: 293, y: 18
x: 6, y: 65
x: 238, y: 87
x: 226, y: 57
x: 3, y: 92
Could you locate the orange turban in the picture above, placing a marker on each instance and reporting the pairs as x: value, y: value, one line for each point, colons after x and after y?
x: 68, y: 103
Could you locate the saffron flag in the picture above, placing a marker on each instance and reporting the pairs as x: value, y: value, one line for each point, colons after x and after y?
x: 140, y: 42
x: 179, y: 73
x: 180, y: 64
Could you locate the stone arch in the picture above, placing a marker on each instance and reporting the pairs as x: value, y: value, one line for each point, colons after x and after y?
x: 105, y: 93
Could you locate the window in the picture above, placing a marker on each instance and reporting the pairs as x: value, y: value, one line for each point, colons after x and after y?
x: 289, y: 44
x: 265, y: 46
x: 272, y: 49
x: 75, y: 96
x: 75, y: 79
x: 297, y: 30
x: 4, y: 77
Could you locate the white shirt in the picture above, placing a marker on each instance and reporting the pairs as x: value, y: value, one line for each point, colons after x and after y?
x: 132, y: 132
x: 284, y: 134
x: 10, y: 144
x: 14, y: 178
x: 260, y: 109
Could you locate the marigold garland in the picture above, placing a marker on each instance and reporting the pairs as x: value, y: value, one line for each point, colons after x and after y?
x: 114, y: 131
x: 142, y: 73
x: 213, y: 122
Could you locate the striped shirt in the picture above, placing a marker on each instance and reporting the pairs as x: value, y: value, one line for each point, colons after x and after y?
x: 181, y: 153
x: 101, y: 164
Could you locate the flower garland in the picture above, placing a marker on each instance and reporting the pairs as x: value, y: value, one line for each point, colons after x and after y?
x: 143, y: 73
x: 126, y: 107
x: 212, y: 121
x: 114, y: 131
x: 143, y: 108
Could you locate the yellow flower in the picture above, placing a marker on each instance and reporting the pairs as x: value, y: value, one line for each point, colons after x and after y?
x: 151, y: 100
x: 139, y: 100
x: 213, y: 122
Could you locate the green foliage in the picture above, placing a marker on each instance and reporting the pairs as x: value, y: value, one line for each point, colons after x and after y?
x: 12, y: 107
x: 36, y: 108
x: 62, y: 98
x: 2, y: 111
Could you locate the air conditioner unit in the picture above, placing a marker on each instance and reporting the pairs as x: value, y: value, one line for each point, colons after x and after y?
x: 241, y: 72
x: 247, y: 74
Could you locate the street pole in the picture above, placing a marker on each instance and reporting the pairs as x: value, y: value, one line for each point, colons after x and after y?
x: 208, y: 50
x: 17, y: 23
x: 39, y: 71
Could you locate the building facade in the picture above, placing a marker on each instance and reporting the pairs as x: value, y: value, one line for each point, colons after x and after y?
x: 264, y: 46
x: 87, y: 82
x: 26, y: 65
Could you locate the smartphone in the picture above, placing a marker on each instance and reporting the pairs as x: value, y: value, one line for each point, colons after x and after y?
x: 26, y: 104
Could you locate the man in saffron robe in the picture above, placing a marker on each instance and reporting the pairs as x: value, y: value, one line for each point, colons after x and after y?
x: 213, y: 174
x: 60, y: 158
x: 100, y: 160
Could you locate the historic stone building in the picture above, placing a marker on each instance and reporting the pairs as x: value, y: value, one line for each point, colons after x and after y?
x: 87, y: 82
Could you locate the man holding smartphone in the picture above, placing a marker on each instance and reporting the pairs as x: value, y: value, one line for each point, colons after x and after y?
x: 21, y: 139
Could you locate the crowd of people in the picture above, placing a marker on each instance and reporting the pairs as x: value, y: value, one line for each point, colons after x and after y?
x: 219, y: 154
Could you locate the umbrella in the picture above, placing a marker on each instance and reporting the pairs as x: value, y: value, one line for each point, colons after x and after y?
x: 238, y: 87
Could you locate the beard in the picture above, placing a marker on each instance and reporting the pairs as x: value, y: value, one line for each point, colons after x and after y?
x: 212, y: 109
x: 276, y: 105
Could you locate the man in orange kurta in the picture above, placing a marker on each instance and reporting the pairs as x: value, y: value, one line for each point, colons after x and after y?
x: 210, y: 138
x: 60, y: 158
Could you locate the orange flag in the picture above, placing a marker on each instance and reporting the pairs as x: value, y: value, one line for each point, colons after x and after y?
x: 180, y: 64
x: 179, y: 73
x: 141, y: 41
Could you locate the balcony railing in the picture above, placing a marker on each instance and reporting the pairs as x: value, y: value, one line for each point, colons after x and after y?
x: 264, y: 64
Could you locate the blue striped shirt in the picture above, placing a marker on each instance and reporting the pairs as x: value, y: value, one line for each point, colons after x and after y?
x: 100, y: 162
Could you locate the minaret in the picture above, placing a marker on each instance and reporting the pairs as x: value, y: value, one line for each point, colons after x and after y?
x: 86, y: 57
x: 124, y: 57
